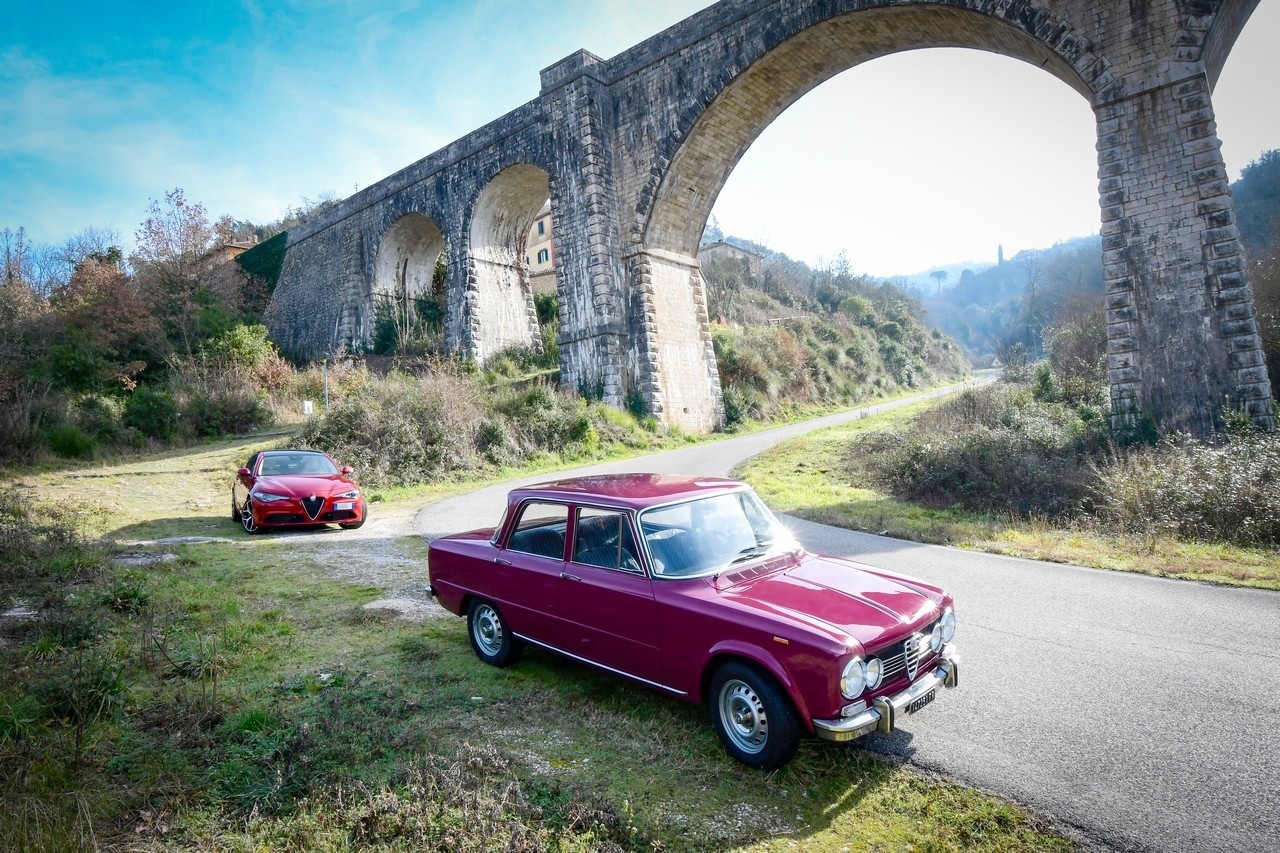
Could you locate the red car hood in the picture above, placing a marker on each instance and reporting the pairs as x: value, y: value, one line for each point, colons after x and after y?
x: 298, y: 486
x: 839, y: 597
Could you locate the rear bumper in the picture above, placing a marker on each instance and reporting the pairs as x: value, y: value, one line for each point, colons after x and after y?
x: 887, y: 712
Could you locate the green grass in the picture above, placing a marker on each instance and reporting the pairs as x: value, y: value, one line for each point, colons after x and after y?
x: 808, y: 477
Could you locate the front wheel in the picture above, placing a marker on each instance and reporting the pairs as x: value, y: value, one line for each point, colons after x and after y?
x: 364, y: 514
x: 753, y: 716
x: 247, y: 521
x: 490, y: 636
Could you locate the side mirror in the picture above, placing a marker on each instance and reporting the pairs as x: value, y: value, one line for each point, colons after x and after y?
x: 347, y: 469
x: 243, y: 472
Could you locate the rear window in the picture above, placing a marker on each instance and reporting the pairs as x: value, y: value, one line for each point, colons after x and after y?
x: 540, y: 529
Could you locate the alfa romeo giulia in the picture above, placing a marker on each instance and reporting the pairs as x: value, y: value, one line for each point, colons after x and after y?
x: 692, y: 587
x: 287, y: 488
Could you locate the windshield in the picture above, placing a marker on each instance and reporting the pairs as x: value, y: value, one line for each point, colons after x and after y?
x: 296, y: 464
x: 711, y: 534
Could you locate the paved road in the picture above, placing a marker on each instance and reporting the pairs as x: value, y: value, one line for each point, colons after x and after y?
x: 1143, y: 713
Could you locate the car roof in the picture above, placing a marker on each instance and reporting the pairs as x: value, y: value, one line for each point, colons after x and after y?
x: 293, y: 452
x: 634, y: 490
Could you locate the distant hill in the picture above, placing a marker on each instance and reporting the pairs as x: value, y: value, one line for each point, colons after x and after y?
x: 927, y: 282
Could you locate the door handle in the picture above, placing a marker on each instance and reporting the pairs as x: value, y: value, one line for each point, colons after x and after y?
x: 569, y: 577
x: 501, y: 562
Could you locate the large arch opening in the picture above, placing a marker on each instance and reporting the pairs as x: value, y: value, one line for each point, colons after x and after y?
x: 724, y: 131
x: 717, y: 138
x: 503, y: 313
x: 407, y: 292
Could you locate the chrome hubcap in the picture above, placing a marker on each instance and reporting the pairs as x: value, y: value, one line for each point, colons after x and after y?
x: 246, y: 517
x: 488, y: 630
x: 743, y: 716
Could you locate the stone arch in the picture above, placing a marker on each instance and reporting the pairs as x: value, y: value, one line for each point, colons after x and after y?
x: 721, y: 123
x: 403, y: 269
x: 500, y: 307
x: 677, y: 371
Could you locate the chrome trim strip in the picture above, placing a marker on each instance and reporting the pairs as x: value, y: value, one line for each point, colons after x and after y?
x: 590, y: 662
x: 887, y: 711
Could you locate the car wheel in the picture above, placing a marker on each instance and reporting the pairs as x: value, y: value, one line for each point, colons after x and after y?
x: 247, y: 521
x: 753, y: 716
x: 490, y: 636
x: 235, y: 513
x: 364, y: 514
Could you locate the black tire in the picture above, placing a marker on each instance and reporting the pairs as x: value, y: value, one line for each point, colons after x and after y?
x: 364, y: 515
x: 235, y: 513
x: 246, y: 518
x: 491, y: 638
x: 753, y: 716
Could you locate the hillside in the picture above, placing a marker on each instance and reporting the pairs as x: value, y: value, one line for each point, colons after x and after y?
x: 786, y: 335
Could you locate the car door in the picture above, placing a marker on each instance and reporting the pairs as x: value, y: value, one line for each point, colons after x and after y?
x: 527, y: 570
x: 607, y: 611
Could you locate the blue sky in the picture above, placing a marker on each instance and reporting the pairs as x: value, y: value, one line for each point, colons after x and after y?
x: 907, y: 162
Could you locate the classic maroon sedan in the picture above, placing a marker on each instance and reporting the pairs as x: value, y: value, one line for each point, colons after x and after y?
x: 286, y: 488
x: 691, y: 586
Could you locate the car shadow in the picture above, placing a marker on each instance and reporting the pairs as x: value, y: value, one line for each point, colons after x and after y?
x: 208, y: 527
x: 831, y: 779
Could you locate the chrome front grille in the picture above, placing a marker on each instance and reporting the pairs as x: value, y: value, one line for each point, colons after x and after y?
x: 898, y: 658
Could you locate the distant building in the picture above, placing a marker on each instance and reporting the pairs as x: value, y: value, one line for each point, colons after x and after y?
x: 721, y: 251
x: 223, y: 252
x: 540, y: 253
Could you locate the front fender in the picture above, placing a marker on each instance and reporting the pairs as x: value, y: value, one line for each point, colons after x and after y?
x: 763, y: 657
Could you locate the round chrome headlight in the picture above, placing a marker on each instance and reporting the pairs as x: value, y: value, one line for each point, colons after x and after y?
x: 875, y: 673
x: 948, y: 625
x: 853, y: 681
x: 935, y: 638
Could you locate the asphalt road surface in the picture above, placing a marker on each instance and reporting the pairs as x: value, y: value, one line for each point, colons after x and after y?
x: 1139, y: 713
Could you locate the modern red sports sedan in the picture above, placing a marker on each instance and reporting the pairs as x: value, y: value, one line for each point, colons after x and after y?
x: 692, y: 587
x: 286, y: 488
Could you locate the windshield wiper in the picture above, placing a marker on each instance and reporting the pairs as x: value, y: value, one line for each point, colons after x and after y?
x: 751, y: 553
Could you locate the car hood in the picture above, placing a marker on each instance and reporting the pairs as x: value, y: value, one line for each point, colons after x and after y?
x: 299, y: 486
x: 838, y: 597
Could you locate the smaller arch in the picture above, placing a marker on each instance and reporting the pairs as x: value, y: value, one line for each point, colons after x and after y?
x: 403, y: 272
x: 501, y: 298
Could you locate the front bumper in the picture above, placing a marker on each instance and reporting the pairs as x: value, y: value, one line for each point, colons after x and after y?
x: 886, y: 712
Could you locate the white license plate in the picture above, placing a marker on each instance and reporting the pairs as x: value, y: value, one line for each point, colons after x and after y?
x: 919, y: 702
x: 344, y: 505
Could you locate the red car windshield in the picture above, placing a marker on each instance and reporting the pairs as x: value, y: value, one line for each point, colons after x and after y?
x: 708, y: 535
x: 296, y: 465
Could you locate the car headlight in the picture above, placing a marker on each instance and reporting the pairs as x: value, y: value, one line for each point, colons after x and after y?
x: 875, y: 673
x: 267, y: 497
x: 853, y: 681
x: 947, y: 624
x: 935, y: 637
x: 354, y: 493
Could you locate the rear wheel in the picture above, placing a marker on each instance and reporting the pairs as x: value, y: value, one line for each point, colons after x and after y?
x: 490, y: 636
x: 753, y: 716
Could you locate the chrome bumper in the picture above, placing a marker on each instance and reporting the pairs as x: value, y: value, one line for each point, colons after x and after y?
x: 887, y: 712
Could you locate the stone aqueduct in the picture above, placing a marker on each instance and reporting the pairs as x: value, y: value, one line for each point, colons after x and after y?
x: 633, y: 151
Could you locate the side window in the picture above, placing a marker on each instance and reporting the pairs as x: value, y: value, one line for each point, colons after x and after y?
x: 253, y: 460
x: 540, y: 529
x: 603, y: 538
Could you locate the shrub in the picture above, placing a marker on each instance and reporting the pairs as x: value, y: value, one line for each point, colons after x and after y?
x: 1225, y: 492
x: 71, y: 442
x: 152, y: 411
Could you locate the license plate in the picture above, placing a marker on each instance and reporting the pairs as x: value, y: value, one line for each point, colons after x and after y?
x: 920, y: 701
x: 344, y: 505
